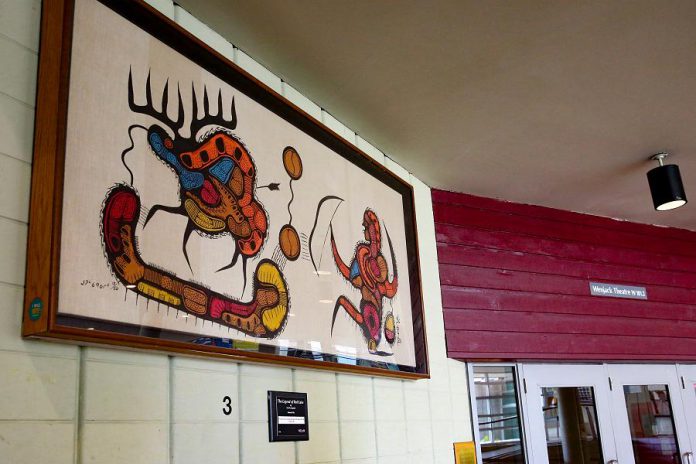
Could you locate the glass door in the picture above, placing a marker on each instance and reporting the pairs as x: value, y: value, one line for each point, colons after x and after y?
x: 687, y: 381
x: 649, y: 421
x: 497, y: 418
x: 568, y: 414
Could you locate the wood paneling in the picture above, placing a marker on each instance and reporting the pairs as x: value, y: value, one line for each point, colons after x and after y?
x: 515, y: 284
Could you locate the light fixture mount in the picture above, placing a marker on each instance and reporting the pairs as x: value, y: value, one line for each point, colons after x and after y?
x: 659, y: 157
x: 666, y: 185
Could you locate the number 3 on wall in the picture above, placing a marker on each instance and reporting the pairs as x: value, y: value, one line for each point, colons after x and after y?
x: 227, y: 410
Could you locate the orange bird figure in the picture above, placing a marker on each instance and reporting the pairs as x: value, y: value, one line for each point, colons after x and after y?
x: 368, y: 272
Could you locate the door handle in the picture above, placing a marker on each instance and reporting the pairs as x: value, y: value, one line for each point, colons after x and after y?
x: 688, y: 458
x: 613, y: 461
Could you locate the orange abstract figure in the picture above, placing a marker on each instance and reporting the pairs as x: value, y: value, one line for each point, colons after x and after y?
x: 369, y: 273
x: 264, y: 315
x: 288, y: 238
x: 216, y: 173
x: 289, y: 242
x: 217, y: 184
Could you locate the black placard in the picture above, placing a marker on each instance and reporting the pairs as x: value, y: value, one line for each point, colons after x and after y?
x: 287, y: 416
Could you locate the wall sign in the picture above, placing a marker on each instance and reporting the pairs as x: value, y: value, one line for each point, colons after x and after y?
x: 197, y: 210
x: 465, y: 452
x: 618, y: 291
x: 287, y: 416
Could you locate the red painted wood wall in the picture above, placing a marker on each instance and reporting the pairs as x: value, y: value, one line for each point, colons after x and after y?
x: 515, y: 284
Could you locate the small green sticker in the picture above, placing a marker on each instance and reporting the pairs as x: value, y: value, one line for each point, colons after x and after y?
x: 35, y: 309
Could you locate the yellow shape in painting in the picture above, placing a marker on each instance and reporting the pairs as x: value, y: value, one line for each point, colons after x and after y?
x: 202, y: 220
x: 389, y: 323
x: 269, y: 275
x: 158, y: 294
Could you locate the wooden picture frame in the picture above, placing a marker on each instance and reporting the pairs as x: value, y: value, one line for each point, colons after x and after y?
x: 68, y: 173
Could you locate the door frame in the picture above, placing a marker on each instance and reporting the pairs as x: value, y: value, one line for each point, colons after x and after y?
x: 687, y: 379
x: 566, y: 375
x: 648, y: 374
x: 474, y: 407
x: 612, y: 417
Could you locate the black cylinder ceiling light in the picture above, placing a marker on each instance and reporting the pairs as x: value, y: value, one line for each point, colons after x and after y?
x: 666, y: 185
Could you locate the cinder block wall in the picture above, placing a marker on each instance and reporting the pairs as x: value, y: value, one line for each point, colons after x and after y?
x: 67, y: 404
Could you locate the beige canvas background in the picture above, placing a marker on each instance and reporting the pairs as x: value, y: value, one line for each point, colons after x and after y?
x: 105, y: 47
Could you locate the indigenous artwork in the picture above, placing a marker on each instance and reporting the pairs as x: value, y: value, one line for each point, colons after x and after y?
x: 199, y: 211
x: 369, y: 274
x: 217, y: 178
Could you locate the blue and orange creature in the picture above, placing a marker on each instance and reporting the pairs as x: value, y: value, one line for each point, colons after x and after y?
x: 369, y: 273
x: 217, y: 176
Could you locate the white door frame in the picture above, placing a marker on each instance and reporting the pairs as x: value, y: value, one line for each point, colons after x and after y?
x: 687, y: 380
x: 646, y: 374
x: 474, y: 408
x: 537, y: 376
x: 608, y: 380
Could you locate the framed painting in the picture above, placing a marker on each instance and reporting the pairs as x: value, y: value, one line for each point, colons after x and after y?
x: 179, y: 204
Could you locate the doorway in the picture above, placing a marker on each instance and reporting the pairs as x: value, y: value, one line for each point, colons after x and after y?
x: 597, y: 413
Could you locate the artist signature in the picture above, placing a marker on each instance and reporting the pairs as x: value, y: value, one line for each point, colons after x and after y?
x: 101, y: 285
x: 398, y: 332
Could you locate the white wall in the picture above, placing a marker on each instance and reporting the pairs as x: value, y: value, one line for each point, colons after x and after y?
x: 67, y: 404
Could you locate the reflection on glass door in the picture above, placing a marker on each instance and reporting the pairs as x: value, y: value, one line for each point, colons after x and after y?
x: 568, y: 414
x: 687, y: 379
x: 498, y: 415
x: 586, y: 413
x: 651, y: 423
x: 570, y: 423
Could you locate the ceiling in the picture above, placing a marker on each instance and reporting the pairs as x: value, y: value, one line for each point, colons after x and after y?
x: 543, y: 102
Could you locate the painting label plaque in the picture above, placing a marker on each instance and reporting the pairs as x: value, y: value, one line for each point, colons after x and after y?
x: 287, y: 416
